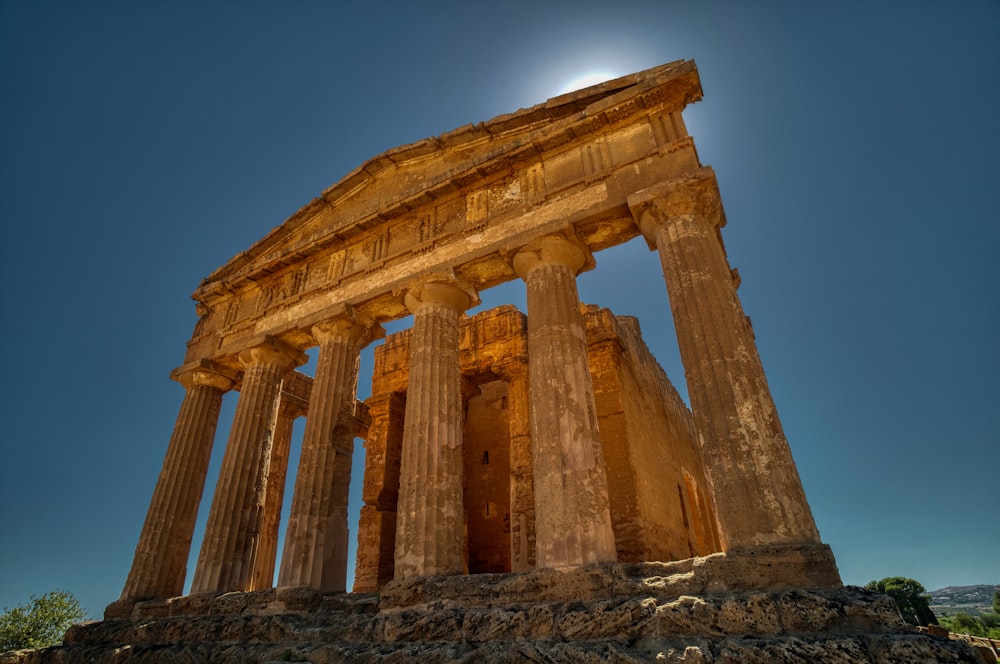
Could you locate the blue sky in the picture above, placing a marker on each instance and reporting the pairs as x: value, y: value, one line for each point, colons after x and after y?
x: 144, y: 144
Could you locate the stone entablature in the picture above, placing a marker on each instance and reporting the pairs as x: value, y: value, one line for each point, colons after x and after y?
x: 462, y: 201
x: 421, y: 230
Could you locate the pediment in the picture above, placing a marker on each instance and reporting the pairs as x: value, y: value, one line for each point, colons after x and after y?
x: 479, y: 168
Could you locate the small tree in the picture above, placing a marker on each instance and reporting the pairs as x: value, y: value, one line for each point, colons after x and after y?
x: 996, y: 602
x: 911, y: 598
x: 963, y: 623
x: 989, y: 620
x: 39, y: 623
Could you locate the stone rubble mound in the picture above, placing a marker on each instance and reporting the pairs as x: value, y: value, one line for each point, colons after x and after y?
x: 602, y: 613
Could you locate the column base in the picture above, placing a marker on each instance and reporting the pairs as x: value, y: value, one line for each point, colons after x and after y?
x: 773, y: 567
x: 121, y: 608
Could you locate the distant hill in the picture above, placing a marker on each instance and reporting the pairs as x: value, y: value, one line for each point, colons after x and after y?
x: 973, y: 600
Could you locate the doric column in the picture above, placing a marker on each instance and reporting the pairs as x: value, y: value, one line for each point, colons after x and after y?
x: 522, y: 494
x: 232, y: 534
x: 160, y: 562
x: 315, y: 552
x: 757, y: 493
x: 375, y: 562
x: 263, y: 576
x: 430, y: 527
x: 334, y: 551
x: 572, y: 519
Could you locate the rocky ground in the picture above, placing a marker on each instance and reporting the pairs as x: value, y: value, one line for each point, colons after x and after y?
x: 668, y: 612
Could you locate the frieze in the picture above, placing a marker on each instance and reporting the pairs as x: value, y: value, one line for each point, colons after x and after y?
x: 393, y: 184
x: 533, y: 183
x: 428, y: 227
x: 667, y: 127
x: 462, y: 226
x: 476, y: 207
x: 596, y: 158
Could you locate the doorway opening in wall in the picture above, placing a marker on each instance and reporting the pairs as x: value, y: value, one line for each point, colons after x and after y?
x: 486, y: 494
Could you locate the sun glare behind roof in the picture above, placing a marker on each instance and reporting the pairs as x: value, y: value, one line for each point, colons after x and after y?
x: 586, y: 80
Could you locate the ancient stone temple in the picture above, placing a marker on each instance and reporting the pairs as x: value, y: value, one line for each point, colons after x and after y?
x: 535, y: 489
x: 420, y: 231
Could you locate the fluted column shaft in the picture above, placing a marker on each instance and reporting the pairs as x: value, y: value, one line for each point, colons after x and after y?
x: 232, y: 534
x: 375, y: 564
x: 160, y: 562
x: 756, y: 489
x: 263, y: 576
x: 572, y: 516
x: 334, y: 546
x: 522, y: 495
x: 316, y: 538
x: 430, y: 527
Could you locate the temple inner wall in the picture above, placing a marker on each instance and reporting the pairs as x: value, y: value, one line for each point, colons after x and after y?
x: 650, y: 447
x: 487, y: 480
x: 647, y: 434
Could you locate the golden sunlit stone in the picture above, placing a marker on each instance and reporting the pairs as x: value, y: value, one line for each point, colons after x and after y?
x: 534, y: 487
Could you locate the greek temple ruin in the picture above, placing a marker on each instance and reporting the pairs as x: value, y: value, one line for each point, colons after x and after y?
x: 532, y: 479
x: 421, y: 230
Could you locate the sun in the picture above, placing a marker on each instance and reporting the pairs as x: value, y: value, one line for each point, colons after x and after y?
x: 586, y: 80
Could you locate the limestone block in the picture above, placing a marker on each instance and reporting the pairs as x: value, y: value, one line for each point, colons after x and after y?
x: 608, y: 619
x: 801, y: 611
x: 416, y: 625
x: 752, y: 651
x: 878, y: 613
x: 686, y: 654
x: 496, y: 624
x: 751, y: 613
x: 687, y: 615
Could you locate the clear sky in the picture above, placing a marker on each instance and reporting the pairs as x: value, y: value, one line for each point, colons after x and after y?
x: 144, y: 144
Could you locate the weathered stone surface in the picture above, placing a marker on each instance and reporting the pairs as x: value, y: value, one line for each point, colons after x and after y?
x: 567, y: 459
x: 232, y: 535
x: 315, y: 552
x: 486, y: 618
x: 270, y: 530
x: 646, y: 433
x: 430, y: 525
x: 158, y: 569
x: 580, y: 472
x: 758, y: 494
x: 551, y: 445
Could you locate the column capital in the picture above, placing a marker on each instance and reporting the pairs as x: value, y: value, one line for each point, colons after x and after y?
x: 691, y: 197
x: 348, y: 324
x: 204, y: 372
x: 562, y: 249
x: 273, y: 351
x: 446, y: 290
